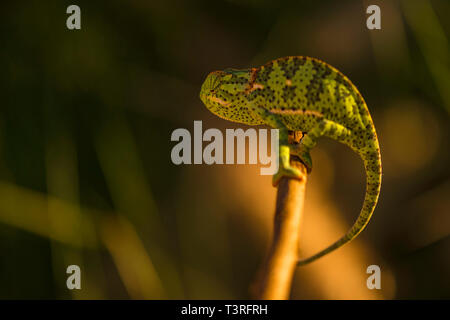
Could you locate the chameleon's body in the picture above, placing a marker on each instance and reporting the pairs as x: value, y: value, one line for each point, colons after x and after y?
x: 301, y: 94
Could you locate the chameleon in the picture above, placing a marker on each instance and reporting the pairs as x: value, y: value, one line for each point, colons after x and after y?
x: 299, y: 93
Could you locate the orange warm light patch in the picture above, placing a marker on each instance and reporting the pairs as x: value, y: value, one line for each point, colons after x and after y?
x: 254, y: 87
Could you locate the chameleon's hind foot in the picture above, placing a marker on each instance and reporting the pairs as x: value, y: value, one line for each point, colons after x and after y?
x: 304, y: 156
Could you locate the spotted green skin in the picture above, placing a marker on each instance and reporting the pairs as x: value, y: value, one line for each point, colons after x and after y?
x: 301, y: 94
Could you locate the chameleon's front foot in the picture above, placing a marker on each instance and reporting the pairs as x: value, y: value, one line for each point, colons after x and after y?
x: 286, y: 172
x: 285, y: 169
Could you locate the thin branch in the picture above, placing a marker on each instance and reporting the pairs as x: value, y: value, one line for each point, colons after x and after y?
x: 275, y: 278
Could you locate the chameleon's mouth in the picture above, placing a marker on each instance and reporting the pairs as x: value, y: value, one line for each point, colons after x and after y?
x: 218, y: 100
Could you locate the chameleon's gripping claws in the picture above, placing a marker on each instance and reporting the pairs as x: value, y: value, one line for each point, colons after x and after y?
x: 285, y: 169
x: 301, y: 94
x: 286, y: 172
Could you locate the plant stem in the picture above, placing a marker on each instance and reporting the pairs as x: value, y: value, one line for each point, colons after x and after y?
x: 276, y: 276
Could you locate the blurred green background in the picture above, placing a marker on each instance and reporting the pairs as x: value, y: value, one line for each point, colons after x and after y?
x: 85, y: 170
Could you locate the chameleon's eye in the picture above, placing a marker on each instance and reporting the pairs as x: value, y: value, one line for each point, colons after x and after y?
x: 212, y: 82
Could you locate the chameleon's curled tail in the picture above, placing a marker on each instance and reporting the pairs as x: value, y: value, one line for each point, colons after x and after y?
x: 372, y: 164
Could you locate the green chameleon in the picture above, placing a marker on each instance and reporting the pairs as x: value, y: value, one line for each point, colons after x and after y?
x: 301, y: 94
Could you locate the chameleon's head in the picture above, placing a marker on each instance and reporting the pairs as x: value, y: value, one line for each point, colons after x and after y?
x: 224, y: 94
